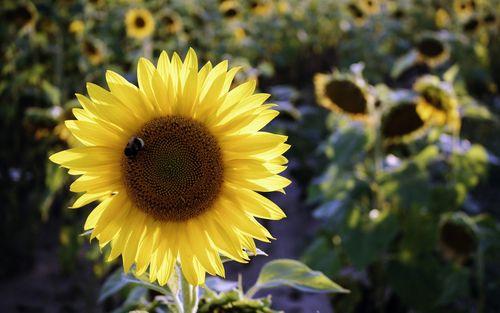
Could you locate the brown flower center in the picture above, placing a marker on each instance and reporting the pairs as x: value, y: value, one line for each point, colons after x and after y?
x: 347, y: 96
x: 401, y: 120
x: 430, y: 47
x: 173, y: 169
x: 140, y: 22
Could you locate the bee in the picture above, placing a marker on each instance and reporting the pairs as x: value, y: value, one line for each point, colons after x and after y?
x: 134, y: 145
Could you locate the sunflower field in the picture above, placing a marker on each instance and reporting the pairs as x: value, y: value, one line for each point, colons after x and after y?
x: 250, y: 156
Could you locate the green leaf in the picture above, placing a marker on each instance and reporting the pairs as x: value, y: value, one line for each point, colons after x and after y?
x: 323, y: 255
x: 451, y: 74
x: 291, y: 273
x: 119, y: 280
x: 112, y: 285
x: 365, y: 239
x: 404, y: 63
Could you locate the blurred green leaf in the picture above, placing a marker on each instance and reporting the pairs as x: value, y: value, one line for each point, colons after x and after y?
x: 291, y: 273
x: 323, y: 256
x: 119, y: 280
x: 135, y: 298
x: 365, y: 239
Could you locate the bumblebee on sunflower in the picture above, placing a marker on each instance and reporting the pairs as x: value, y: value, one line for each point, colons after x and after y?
x: 139, y: 23
x: 343, y: 93
x: 179, y: 162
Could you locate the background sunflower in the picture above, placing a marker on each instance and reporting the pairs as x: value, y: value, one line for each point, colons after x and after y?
x: 140, y: 23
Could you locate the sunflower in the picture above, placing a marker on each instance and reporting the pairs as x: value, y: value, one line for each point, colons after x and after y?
x: 343, y: 94
x: 436, y: 103
x: 370, y: 6
x: 457, y: 237
x: 489, y: 19
x: 464, y: 8
x: 402, y: 122
x: 24, y: 16
x: 76, y: 27
x: 471, y: 25
x: 432, y: 50
x: 93, y: 50
x: 172, y: 22
x: 397, y: 12
x: 260, y: 7
x: 357, y: 13
x: 442, y: 18
x: 230, y: 9
x: 140, y: 23
x: 239, y: 34
x: 283, y: 7
x: 180, y: 161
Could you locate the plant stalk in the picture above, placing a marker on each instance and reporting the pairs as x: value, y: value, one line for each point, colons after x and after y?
x: 189, y: 295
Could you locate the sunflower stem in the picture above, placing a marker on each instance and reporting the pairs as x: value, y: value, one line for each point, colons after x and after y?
x: 378, y: 154
x: 189, y: 295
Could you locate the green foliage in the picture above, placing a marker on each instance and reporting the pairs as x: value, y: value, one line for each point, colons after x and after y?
x: 233, y: 302
x: 217, y: 295
x: 294, y: 274
x: 402, y: 214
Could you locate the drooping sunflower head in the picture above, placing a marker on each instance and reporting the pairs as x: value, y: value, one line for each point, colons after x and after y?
x: 179, y: 161
x: 471, y: 25
x: 260, y: 7
x: 139, y: 23
x: 436, y: 101
x: 230, y: 10
x: 357, y: 13
x: 489, y: 19
x: 457, y: 237
x: 397, y: 11
x: 401, y: 122
x: 24, y: 16
x: 432, y: 50
x: 342, y: 93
